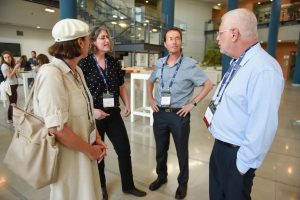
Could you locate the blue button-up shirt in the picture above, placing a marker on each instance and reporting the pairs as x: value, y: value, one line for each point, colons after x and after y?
x: 247, y: 116
x: 189, y: 76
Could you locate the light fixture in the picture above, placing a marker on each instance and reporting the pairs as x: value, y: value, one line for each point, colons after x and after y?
x: 146, y: 1
x: 121, y: 17
x: 219, y: 4
x: 154, y: 30
x: 115, y: 16
x: 258, y: 3
x: 145, y: 24
x: 261, y: 42
x: 139, y: 28
x: 279, y: 40
x: 49, y: 10
x: 38, y: 27
x: 146, y: 21
x: 122, y: 24
x: 114, y: 23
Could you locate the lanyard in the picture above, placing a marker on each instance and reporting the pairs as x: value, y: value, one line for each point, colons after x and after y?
x: 105, y: 80
x: 174, y: 75
x: 86, y: 95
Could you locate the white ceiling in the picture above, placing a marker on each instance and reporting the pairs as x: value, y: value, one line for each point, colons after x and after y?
x: 25, y: 13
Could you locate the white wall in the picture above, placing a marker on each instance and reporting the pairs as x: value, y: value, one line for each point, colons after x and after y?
x: 194, y: 14
x: 33, y: 39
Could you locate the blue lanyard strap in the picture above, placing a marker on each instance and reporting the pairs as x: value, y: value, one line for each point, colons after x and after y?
x: 105, y: 80
x: 174, y: 75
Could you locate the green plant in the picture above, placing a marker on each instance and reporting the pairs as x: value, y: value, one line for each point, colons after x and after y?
x: 212, y: 57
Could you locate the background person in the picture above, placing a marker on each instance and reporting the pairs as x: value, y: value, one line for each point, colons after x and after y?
x: 105, y: 80
x: 177, y: 77
x: 32, y: 60
x: 63, y: 100
x: 243, y: 113
x: 9, y: 69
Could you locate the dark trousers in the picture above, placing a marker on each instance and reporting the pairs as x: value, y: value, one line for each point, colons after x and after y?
x: 165, y: 124
x: 113, y: 126
x: 12, y: 99
x: 225, y: 181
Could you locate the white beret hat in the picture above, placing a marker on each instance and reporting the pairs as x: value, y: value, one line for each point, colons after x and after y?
x: 69, y: 29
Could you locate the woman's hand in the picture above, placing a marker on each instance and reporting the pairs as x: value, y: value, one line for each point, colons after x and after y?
x: 127, y: 111
x: 99, y: 114
x: 95, y: 152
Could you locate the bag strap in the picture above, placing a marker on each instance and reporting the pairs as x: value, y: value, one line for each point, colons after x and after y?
x: 29, y: 97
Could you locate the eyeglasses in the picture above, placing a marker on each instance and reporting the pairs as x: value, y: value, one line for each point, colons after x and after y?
x: 104, y: 37
x: 220, y: 32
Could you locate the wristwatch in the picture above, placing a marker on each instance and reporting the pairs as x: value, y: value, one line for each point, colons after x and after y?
x: 194, y: 103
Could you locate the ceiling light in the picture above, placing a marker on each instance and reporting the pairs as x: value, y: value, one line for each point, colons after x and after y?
x: 38, y: 27
x: 146, y: 21
x: 121, y: 17
x: 154, y: 30
x: 115, y: 16
x: 113, y: 22
x: 146, y: 1
x: 122, y: 24
x: 145, y: 24
x: 279, y: 40
x: 49, y: 10
x: 219, y: 4
x: 139, y: 28
x: 258, y: 3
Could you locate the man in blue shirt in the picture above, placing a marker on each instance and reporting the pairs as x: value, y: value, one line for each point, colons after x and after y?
x: 176, y: 76
x: 243, y: 113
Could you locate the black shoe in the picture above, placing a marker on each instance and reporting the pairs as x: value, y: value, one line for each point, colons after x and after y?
x: 136, y: 192
x: 104, y: 193
x: 157, y: 183
x: 181, y: 192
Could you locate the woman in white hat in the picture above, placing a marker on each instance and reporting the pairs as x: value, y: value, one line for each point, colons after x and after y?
x: 63, y: 100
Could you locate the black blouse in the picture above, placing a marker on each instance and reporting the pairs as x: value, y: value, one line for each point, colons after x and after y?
x: 113, y: 73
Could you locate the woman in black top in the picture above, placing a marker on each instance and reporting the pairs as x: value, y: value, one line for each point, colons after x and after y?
x: 105, y: 80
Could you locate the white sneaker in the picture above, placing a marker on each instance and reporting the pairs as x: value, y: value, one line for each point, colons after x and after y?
x: 9, y: 121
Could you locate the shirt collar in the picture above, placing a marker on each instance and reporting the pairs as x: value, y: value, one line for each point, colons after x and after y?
x: 61, y: 65
x: 250, y: 53
x: 177, y: 61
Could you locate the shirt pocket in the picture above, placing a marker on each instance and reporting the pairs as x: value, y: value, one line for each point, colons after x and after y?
x: 78, y: 105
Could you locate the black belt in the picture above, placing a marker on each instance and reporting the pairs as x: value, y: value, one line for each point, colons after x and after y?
x: 227, y: 144
x: 166, y: 109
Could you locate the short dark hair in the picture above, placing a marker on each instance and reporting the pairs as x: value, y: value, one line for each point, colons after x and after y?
x: 67, y: 49
x: 42, y: 59
x: 173, y: 29
x: 33, y: 52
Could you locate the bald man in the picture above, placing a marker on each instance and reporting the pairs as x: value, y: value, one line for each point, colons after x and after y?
x: 243, y: 113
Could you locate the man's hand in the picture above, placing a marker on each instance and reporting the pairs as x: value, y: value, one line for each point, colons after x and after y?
x: 153, y: 105
x: 185, y: 110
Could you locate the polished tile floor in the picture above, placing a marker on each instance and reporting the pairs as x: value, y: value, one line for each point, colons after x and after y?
x: 277, y: 179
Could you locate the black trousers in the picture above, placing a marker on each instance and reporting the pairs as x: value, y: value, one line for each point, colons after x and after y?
x: 225, y: 181
x: 113, y: 126
x: 12, y: 99
x: 165, y: 124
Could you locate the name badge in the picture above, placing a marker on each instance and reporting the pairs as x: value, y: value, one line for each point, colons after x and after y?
x: 210, y: 111
x: 92, y: 138
x: 165, y: 99
x: 108, y: 100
